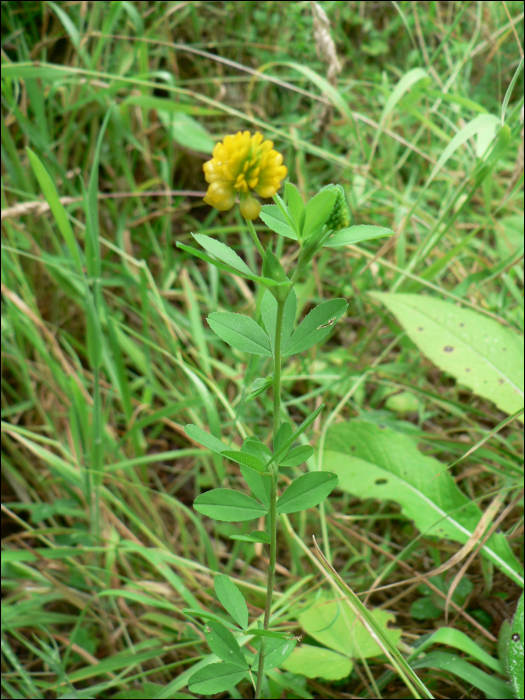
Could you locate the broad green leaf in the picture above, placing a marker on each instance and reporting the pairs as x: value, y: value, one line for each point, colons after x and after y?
x: 209, y: 616
x: 222, y: 252
x: 334, y: 624
x: 296, y: 207
x: 205, y: 439
x: 260, y: 485
x: 316, y: 326
x: 228, y: 505
x: 255, y: 536
x: 317, y: 212
x: 356, y: 234
x: 275, y: 220
x: 492, y: 686
x: 232, y: 599
x: 516, y: 651
x: 374, y: 462
x: 246, y: 459
x: 306, y: 492
x: 478, y: 351
x: 269, y: 316
x: 283, y: 435
x: 240, y: 332
x: 259, y: 386
x: 215, y: 678
x: 222, y: 642
x: 318, y: 662
x: 297, y: 456
x: 50, y: 193
x: 288, y: 442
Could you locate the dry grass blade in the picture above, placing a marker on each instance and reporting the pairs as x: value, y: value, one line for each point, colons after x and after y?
x: 457, y: 578
x: 469, y: 545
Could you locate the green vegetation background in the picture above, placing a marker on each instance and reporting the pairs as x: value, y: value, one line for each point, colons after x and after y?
x: 94, y: 591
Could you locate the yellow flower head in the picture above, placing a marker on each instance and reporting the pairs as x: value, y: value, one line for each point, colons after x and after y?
x: 240, y: 164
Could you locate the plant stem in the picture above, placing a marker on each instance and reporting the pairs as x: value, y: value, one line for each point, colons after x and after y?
x: 273, y: 494
x: 277, y: 369
x: 256, y: 240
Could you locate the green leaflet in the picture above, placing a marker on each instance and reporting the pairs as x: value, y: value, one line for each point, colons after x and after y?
x: 252, y: 445
x: 296, y: 207
x: 259, y: 386
x: 478, y: 351
x: 286, y: 442
x: 306, y: 492
x: 316, y: 326
x: 215, y: 678
x: 317, y: 212
x: 205, y: 439
x: 227, y: 268
x: 276, y: 221
x: 297, y: 456
x: 283, y: 435
x: 241, y: 332
x: 232, y: 599
x: 259, y: 484
x: 228, y: 505
x: 374, y: 462
x: 209, y: 616
x: 277, y: 651
x: 246, y: 459
x: 222, y: 642
x: 269, y: 316
x: 223, y: 253
x: 356, y: 234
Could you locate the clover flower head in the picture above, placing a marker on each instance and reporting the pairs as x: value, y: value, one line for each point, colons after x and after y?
x: 241, y: 164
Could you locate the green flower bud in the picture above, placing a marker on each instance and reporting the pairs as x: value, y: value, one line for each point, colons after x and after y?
x: 340, y: 216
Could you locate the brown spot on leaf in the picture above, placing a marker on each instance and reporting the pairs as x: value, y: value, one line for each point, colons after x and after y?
x: 448, y: 348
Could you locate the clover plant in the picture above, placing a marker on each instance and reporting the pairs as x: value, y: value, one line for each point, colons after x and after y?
x: 242, y: 164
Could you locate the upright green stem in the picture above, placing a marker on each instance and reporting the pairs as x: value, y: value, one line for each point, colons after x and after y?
x: 273, y: 493
x: 253, y: 233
